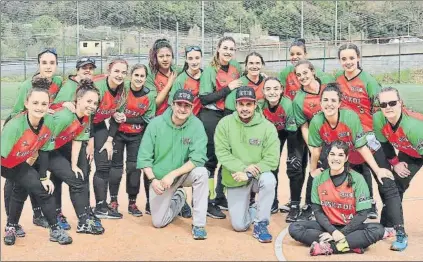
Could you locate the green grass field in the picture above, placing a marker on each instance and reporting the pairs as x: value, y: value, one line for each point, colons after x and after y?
x: 411, y: 94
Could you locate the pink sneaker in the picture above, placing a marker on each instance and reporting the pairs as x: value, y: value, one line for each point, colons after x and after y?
x: 389, y: 232
x: 322, y: 248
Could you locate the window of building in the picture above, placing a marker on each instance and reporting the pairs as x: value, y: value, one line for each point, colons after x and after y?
x: 85, y: 44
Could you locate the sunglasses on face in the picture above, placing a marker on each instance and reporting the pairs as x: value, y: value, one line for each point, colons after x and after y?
x: 390, y: 103
x: 192, y: 47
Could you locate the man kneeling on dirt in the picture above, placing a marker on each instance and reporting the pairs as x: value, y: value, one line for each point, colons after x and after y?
x: 172, y: 154
x: 247, y: 146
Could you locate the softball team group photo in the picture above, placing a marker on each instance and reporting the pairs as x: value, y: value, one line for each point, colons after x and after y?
x: 172, y: 128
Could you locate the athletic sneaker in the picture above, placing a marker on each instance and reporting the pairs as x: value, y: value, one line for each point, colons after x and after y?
x: 19, y: 231
x: 322, y: 248
x: 293, y: 214
x: 285, y: 208
x: 389, y: 232
x: 222, y: 203
x: 97, y: 220
x: 89, y: 227
x: 9, y: 236
x: 106, y: 212
x: 261, y: 233
x: 401, y: 242
x: 147, y: 208
x: 61, y: 236
x: 306, y: 213
x: 62, y: 222
x: 114, y: 205
x: 40, y: 221
x: 373, y: 212
x: 214, y: 211
x: 199, y: 233
x: 133, y: 210
x: 275, y: 207
x: 186, y: 211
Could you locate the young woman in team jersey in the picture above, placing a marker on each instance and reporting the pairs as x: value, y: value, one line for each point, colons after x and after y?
x: 341, y: 201
x: 112, y: 95
x: 161, y: 73
x: 278, y: 110
x: 21, y: 139
x: 217, y: 82
x: 47, y: 65
x: 359, y: 90
x: 306, y: 104
x: 138, y: 109
x: 335, y: 123
x: 398, y: 128
x: 252, y: 77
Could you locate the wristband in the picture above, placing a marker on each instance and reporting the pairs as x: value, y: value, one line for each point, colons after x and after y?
x: 43, y: 178
x: 151, y: 180
x: 249, y: 175
x: 394, y: 161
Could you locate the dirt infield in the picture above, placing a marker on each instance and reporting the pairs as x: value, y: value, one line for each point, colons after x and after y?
x: 133, y: 238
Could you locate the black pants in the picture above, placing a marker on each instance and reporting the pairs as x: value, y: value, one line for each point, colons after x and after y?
x: 132, y: 144
x: 8, y: 190
x: 102, y: 164
x: 402, y: 184
x: 309, y: 231
x: 25, y: 179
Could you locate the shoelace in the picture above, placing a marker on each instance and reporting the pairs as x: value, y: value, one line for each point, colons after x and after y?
x: 114, y: 205
x: 11, y: 231
x: 262, y: 228
x: 199, y: 231
x: 134, y: 207
x: 400, y: 238
x: 61, y: 234
x: 62, y: 218
x: 326, y: 249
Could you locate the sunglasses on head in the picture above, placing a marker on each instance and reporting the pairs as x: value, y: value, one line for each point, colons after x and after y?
x: 390, y: 103
x: 87, y: 59
x: 192, y: 47
x: 48, y: 50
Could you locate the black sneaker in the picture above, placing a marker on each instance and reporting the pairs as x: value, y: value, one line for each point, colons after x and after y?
x: 147, y: 208
x: 61, y: 236
x: 306, y: 213
x: 19, y: 231
x: 96, y: 220
x: 285, y: 208
x: 133, y: 210
x: 89, y: 227
x: 293, y: 214
x: 40, y: 221
x: 214, y: 211
x: 186, y: 211
x: 275, y: 207
x: 107, y: 213
x: 9, y: 236
x: 373, y: 212
x: 222, y: 203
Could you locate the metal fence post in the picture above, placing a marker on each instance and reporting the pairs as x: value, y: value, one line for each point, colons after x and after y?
x: 139, y: 47
x: 286, y: 54
x: 399, y: 61
x: 324, y: 56
x: 101, y: 56
x: 177, y: 42
x: 63, y: 50
x: 26, y: 57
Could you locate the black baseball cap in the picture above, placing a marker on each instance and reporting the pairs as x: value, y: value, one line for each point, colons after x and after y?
x: 85, y: 60
x: 183, y: 95
x: 245, y: 93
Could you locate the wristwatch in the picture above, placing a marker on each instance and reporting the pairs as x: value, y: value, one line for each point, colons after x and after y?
x: 249, y: 175
x: 151, y: 179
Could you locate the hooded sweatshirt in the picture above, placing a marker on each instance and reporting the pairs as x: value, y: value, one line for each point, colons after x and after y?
x: 166, y: 147
x: 240, y: 144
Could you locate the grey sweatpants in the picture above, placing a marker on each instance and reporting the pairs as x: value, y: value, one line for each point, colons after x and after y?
x: 165, y: 207
x: 239, y: 201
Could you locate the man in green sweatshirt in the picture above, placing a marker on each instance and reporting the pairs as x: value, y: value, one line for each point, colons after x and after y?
x: 247, y: 146
x: 172, y: 154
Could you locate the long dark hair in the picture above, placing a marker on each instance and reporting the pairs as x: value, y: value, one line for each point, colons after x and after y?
x: 86, y: 85
x: 158, y: 44
x: 344, y: 147
x: 350, y: 46
x: 215, y: 61
x: 250, y: 55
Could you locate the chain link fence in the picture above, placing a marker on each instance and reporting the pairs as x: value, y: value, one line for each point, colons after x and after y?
x: 390, y: 39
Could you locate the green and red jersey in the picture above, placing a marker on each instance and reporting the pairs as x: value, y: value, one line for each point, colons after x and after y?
x: 156, y: 82
x: 213, y: 80
x: 290, y: 81
x: 19, y: 141
x: 65, y: 127
x: 23, y: 92
x: 407, y: 138
x: 230, y: 101
x: 67, y: 92
x: 340, y: 204
x: 306, y: 105
x: 359, y: 94
x: 185, y: 81
x: 134, y: 106
x: 348, y: 129
x: 109, y: 101
x: 282, y: 117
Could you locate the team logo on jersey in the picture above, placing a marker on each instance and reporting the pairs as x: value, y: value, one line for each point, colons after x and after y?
x: 291, y: 83
x: 142, y: 106
x: 344, y: 134
x: 234, y: 75
x: 363, y: 198
x: 186, y: 141
x: 360, y: 135
x: 326, y: 134
x: 25, y: 143
x: 254, y: 141
x: 325, y: 192
x: 346, y: 195
x: 357, y: 89
x: 312, y: 105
